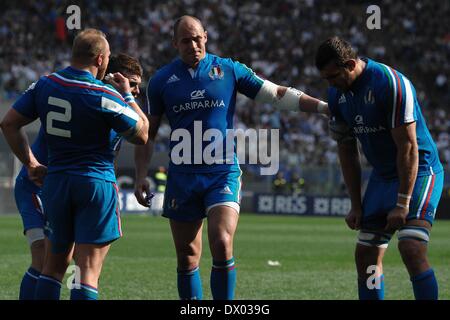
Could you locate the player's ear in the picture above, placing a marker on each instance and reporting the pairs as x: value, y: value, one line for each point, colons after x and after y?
x: 350, y: 64
x: 206, y: 36
x: 99, y: 59
x: 174, y: 43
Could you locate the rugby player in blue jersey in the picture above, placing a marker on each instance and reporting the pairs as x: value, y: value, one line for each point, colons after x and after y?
x: 198, y: 90
x: 28, y: 195
x: 378, y: 105
x: 79, y: 116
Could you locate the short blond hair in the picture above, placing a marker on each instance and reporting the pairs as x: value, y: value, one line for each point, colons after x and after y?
x: 87, y: 45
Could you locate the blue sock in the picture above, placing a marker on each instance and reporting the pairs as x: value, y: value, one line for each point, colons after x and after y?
x: 85, y: 292
x: 223, y: 279
x: 425, y: 286
x: 371, y: 294
x: 190, y: 284
x: 28, y: 284
x: 47, y: 288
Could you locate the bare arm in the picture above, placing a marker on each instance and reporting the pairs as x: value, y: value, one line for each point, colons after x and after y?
x: 351, y: 170
x: 12, y: 127
x: 142, y: 157
x: 407, y: 157
x: 290, y: 99
x: 407, y: 167
x: 306, y: 103
x: 139, y: 134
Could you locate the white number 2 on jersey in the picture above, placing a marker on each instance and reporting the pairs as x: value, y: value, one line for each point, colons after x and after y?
x: 59, y: 116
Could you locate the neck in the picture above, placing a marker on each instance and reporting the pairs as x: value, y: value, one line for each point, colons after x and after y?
x: 361, y: 65
x: 92, y: 69
x: 194, y: 64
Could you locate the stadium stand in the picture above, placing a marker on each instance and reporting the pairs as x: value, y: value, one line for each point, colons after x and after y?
x: 277, y: 39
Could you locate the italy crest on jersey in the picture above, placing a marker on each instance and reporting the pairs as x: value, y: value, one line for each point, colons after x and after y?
x: 215, y: 72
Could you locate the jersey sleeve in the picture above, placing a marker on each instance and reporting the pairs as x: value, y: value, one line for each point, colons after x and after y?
x: 118, y: 113
x: 248, y: 83
x: 154, y: 103
x: 398, y: 96
x: 26, y: 104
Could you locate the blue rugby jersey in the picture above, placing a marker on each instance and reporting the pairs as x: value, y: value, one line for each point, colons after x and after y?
x: 206, y: 94
x: 379, y: 100
x: 78, y: 113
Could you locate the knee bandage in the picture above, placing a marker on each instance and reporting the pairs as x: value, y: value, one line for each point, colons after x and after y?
x: 373, y: 239
x: 34, y: 234
x: 414, y: 233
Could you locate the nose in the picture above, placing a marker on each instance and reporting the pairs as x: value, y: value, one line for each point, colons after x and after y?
x: 192, y: 44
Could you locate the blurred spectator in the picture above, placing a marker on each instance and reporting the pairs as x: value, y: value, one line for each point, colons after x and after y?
x: 279, y: 183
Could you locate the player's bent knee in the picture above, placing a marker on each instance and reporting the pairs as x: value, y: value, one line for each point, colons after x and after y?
x: 373, y: 239
x: 34, y: 234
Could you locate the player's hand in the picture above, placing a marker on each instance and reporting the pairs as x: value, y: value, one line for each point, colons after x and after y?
x: 340, y: 131
x: 396, y: 218
x: 142, y: 192
x: 37, y: 173
x: 119, y: 82
x: 353, y: 219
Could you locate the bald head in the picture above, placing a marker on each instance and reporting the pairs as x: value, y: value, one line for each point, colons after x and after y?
x: 88, y: 44
x: 186, y: 22
x: 189, y: 38
x: 90, y: 51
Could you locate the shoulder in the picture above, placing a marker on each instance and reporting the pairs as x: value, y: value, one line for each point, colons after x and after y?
x: 220, y: 60
x: 382, y: 74
x: 166, y: 71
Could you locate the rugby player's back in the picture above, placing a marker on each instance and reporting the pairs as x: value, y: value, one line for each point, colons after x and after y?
x: 77, y: 113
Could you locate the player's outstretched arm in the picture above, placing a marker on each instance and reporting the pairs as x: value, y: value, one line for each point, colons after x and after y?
x: 290, y: 99
x: 142, y: 156
x: 11, y: 126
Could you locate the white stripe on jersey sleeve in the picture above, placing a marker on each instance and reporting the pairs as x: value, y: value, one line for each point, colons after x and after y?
x: 409, y: 103
x: 113, y: 106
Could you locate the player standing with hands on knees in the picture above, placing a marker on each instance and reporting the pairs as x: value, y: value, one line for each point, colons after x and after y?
x: 378, y: 105
x: 201, y: 87
x: 79, y: 196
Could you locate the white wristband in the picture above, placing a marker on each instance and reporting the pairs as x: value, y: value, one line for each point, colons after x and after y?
x: 402, y: 195
x: 322, y: 107
x: 402, y: 206
x: 128, y: 97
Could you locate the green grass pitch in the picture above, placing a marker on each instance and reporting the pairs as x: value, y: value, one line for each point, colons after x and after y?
x: 315, y: 257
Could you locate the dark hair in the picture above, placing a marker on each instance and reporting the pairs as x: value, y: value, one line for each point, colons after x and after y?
x: 124, y: 64
x: 334, y: 50
x: 177, y: 23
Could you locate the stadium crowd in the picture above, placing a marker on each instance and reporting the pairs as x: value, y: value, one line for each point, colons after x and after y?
x: 277, y: 39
